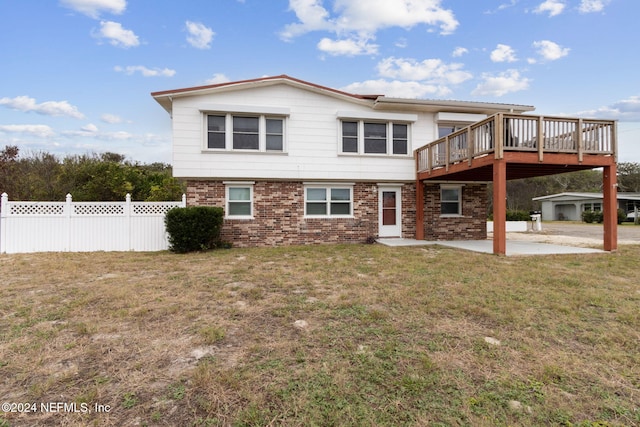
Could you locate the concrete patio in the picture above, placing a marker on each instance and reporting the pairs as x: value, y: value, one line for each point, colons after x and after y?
x: 514, y: 247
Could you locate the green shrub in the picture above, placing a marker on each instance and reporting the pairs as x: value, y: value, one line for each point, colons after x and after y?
x: 592, y: 216
x: 622, y: 216
x: 513, y: 215
x: 194, y: 228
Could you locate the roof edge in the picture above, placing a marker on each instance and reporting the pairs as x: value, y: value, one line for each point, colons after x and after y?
x: 282, y: 77
x: 464, y: 105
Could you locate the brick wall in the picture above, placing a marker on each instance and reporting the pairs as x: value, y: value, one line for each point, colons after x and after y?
x: 279, y: 214
x: 472, y: 225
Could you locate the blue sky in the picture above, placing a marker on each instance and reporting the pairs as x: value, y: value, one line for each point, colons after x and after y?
x: 76, y: 75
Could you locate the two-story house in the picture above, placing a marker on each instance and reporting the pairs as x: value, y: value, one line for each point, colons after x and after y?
x: 292, y: 162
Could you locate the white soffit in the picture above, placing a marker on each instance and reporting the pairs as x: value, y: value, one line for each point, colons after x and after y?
x: 460, y: 117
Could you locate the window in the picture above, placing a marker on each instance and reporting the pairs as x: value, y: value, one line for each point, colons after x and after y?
x: 245, y: 132
x: 451, y: 200
x: 216, y: 131
x: 349, y: 137
x: 400, y: 139
x: 239, y: 200
x: 371, y: 137
x: 328, y: 201
x: 246, y: 135
x: 445, y: 129
x: 275, y: 135
x: 592, y: 207
x: 375, y: 138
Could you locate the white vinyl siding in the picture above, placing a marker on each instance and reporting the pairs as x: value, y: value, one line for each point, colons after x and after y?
x: 311, y: 138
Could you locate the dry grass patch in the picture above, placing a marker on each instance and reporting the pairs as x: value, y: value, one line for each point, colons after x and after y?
x: 391, y: 336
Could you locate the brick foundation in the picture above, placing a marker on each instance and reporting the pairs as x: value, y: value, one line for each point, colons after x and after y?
x: 472, y: 225
x: 279, y: 214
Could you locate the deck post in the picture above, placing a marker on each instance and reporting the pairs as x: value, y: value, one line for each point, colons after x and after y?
x: 610, y: 208
x: 419, y: 210
x: 499, y: 207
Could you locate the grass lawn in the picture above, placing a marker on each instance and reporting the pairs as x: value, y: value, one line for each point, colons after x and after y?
x: 361, y: 335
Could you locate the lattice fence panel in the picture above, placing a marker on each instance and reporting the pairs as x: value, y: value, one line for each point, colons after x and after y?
x: 152, y: 209
x: 36, y: 208
x: 99, y: 209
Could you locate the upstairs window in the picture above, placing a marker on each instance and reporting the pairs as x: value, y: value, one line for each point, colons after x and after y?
x: 275, y: 134
x: 216, y: 130
x: 349, y: 137
x: 376, y: 138
x: 245, y: 132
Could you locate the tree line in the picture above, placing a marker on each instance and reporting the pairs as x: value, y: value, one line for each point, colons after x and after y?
x: 520, y: 192
x: 87, y: 177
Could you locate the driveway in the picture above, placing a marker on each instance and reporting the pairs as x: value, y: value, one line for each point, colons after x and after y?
x: 578, y: 234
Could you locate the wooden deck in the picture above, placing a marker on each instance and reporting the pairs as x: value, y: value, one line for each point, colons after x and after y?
x: 549, y: 145
x: 513, y: 146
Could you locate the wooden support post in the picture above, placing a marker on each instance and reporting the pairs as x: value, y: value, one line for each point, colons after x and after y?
x: 419, y: 210
x: 540, y: 139
x: 610, y: 208
x: 580, y: 139
x: 499, y: 207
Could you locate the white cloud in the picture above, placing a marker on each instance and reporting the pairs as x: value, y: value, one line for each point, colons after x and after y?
x: 459, y: 51
x: 89, y: 130
x: 502, y: 7
x: 42, y: 131
x: 550, y: 51
x: 217, y: 79
x: 117, y: 35
x: 146, y: 72
x: 111, y: 118
x: 501, y: 84
x: 429, y: 71
x: 92, y: 131
x: 312, y: 16
x: 200, y: 36
x: 503, y: 53
x: 401, y: 43
x: 347, y: 47
x: 627, y: 110
x: 397, y: 89
x: 590, y: 6
x: 93, y: 8
x: 357, y: 20
x: 554, y: 7
x: 49, y: 108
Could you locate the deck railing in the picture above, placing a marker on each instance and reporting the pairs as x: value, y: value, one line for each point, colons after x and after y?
x: 512, y: 132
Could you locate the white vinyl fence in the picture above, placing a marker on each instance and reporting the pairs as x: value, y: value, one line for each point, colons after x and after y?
x: 83, y: 226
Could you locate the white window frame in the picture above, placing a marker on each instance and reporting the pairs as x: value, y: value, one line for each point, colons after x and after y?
x: 228, y: 201
x: 592, y: 206
x: 361, y: 138
x: 389, y: 119
x: 328, y: 187
x: 229, y: 133
x: 444, y: 187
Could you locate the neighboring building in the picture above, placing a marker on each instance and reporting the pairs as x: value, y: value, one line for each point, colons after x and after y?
x: 293, y: 162
x: 569, y: 206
